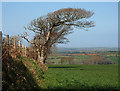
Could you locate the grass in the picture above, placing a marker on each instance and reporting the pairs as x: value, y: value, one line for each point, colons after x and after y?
x: 81, y: 77
x: 81, y: 58
x: 78, y: 59
x: 25, y: 73
x: 113, y: 58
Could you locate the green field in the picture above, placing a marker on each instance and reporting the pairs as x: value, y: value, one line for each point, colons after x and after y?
x: 81, y: 77
x: 115, y: 59
x: 26, y: 73
x: 81, y: 58
x: 77, y: 59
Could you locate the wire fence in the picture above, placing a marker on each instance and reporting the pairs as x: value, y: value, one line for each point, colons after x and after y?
x: 13, y: 46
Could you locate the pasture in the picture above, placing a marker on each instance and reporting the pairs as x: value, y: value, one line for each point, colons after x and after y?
x: 80, y: 58
x: 81, y: 77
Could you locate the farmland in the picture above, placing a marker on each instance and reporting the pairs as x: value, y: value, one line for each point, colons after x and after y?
x: 81, y: 77
x: 63, y: 71
x: 59, y: 45
x: 80, y: 57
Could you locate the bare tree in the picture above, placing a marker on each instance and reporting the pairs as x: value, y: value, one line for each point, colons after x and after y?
x: 53, y: 27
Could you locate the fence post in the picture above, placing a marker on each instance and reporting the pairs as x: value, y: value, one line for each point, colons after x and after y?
x: 0, y: 46
x: 7, y: 40
x: 14, y: 45
x: 23, y: 50
x: 7, y: 48
x: 19, y: 47
x: 19, y: 44
x: 0, y: 60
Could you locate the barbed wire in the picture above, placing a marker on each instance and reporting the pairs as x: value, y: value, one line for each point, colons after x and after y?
x: 4, y: 34
x: 9, y: 35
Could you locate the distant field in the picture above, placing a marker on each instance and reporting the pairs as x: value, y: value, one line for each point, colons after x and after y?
x: 76, y: 58
x: 115, y: 59
x: 80, y: 58
x: 81, y: 77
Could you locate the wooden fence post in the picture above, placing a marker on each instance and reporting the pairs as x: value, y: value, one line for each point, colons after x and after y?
x: 0, y: 46
x: 7, y: 40
x: 19, y: 47
x: 7, y: 49
x: 19, y: 44
x: 23, y: 50
x: 0, y: 60
x: 14, y: 45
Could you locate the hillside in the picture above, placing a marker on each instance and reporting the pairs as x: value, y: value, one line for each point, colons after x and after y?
x: 22, y: 73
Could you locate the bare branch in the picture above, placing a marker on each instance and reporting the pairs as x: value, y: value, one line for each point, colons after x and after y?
x: 53, y: 28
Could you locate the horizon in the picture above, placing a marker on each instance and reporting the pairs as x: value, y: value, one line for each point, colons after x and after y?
x: 87, y: 47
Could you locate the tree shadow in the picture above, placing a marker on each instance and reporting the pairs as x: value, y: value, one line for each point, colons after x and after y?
x: 61, y: 67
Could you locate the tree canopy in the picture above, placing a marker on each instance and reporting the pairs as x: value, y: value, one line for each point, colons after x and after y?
x: 52, y: 28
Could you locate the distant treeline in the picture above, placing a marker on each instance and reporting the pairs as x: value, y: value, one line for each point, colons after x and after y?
x: 88, y: 49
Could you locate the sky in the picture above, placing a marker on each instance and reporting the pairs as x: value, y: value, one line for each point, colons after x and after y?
x: 105, y: 34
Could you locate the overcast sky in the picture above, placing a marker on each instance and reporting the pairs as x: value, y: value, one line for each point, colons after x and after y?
x: 105, y: 34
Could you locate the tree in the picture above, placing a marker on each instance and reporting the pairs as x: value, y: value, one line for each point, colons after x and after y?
x: 98, y: 60
x: 63, y: 59
x: 70, y: 60
x: 53, y: 27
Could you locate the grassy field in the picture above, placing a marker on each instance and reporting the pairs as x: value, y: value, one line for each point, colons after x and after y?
x: 115, y: 59
x: 25, y: 73
x: 77, y: 59
x: 80, y: 58
x: 81, y: 77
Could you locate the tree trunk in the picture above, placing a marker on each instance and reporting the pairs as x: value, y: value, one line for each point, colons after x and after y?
x: 41, y: 57
x: 38, y: 58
